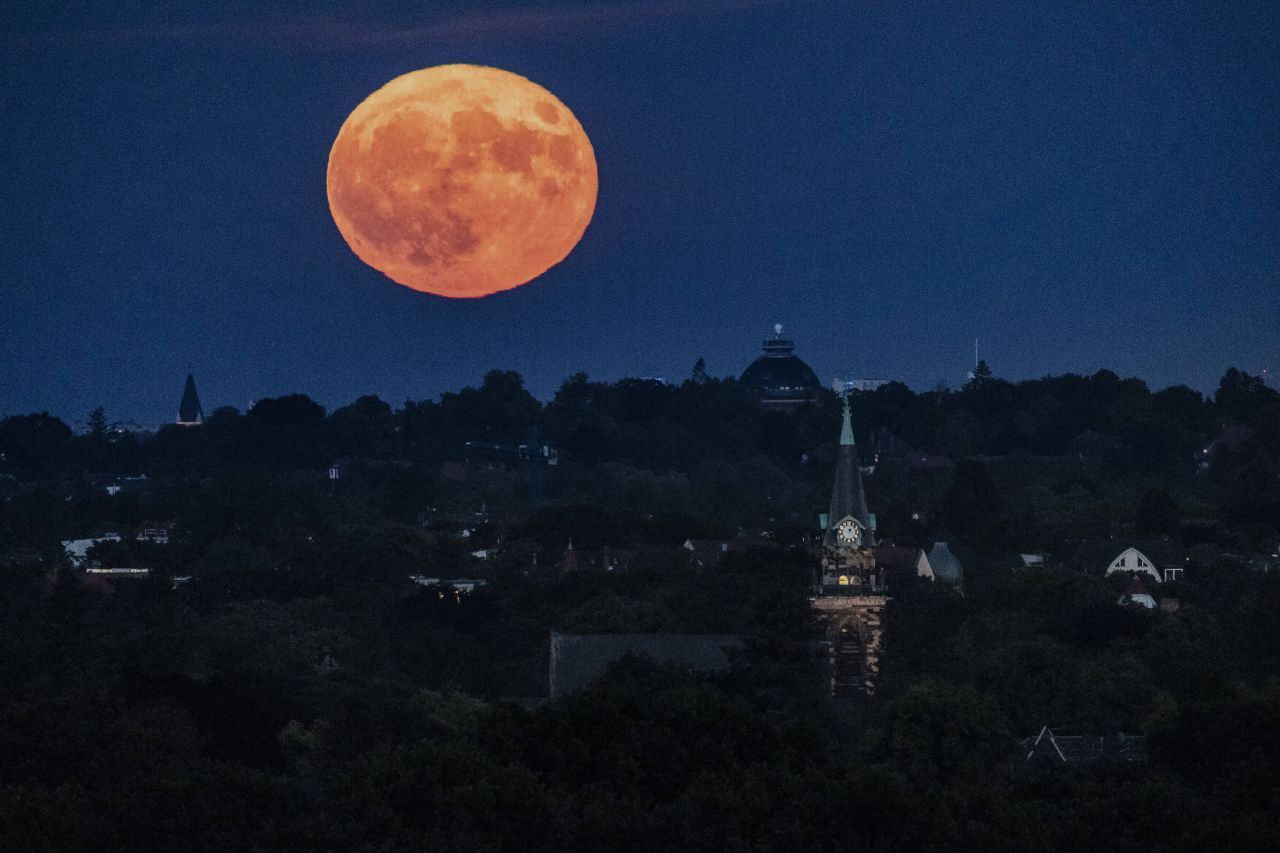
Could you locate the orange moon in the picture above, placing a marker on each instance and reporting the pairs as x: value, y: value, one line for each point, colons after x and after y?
x: 462, y: 180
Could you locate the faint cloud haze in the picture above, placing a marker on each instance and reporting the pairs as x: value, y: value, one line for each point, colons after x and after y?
x: 336, y: 34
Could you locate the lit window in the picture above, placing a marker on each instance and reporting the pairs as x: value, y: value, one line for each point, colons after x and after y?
x: 844, y: 580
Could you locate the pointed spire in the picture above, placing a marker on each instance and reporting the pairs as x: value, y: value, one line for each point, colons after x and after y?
x: 569, y: 563
x: 189, y: 411
x: 846, y: 431
x: 847, y: 496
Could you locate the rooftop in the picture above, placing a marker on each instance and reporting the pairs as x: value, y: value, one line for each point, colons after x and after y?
x: 779, y: 373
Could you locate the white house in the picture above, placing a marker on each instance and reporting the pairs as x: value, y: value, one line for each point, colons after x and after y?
x: 923, y: 569
x: 77, y: 550
x: 119, y: 572
x: 464, y: 585
x: 940, y: 562
x: 1132, y: 560
x: 153, y: 532
x: 1159, y: 560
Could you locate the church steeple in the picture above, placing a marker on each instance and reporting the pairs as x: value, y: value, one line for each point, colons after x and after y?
x: 848, y: 500
x: 846, y: 427
x: 189, y: 411
x: 850, y: 594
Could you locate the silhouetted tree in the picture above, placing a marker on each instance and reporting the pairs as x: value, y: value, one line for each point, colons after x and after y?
x: 1157, y: 513
x: 971, y: 505
x: 98, y: 427
x: 1241, y: 396
x: 294, y: 410
x: 39, y: 446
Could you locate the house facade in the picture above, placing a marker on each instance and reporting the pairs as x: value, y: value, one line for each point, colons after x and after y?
x: 1160, y: 563
x: 1156, y: 560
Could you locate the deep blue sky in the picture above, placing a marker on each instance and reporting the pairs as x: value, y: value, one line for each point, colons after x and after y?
x: 1081, y: 185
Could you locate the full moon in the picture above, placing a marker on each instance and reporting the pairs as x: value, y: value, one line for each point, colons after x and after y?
x: 461, y: 180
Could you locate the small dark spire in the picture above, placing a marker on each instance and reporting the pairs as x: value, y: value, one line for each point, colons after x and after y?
x: 189, y: 411
x: 570, y: 561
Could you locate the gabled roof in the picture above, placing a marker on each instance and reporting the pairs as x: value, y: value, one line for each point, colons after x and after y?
x: 1046, y: 745
x: 1098, y: 553
x: 1061, y: 749
x: 606, y: 559
x: 945, y: 559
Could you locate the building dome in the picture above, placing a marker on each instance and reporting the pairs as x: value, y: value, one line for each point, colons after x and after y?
x: 779, y: 377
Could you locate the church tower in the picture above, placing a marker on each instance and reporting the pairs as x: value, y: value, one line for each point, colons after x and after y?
x: 849, y: 532
x: 189, y: 411
x: 850, y: 596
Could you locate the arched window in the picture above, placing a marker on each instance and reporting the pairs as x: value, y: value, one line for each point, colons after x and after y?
x: 844, y: 580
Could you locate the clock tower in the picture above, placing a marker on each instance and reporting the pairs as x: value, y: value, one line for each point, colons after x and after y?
x: 850, y: 595
x: 849, y: 529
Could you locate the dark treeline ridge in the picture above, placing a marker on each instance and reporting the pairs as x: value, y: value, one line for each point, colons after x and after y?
x: 296, y: 691
x: 1047, y: 458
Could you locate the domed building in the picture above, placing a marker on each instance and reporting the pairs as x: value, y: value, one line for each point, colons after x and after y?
x: 779, y: 378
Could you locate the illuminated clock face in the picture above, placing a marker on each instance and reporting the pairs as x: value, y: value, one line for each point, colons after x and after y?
x: 848, y: 532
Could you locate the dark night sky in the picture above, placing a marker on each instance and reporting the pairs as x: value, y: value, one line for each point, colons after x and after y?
x: 1081, y: 185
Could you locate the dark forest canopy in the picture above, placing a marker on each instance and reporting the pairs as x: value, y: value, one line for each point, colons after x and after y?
x: 675, y: 427
x: 705, y: 452
x: 279, y: 682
